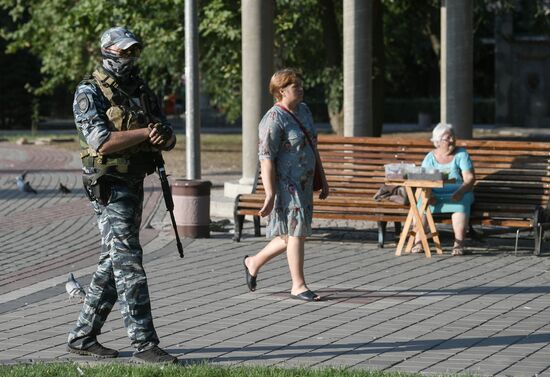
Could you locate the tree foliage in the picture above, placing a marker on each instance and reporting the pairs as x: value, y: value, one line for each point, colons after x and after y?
x: 298, y: 43
x: 64, y: 36
x: 411, y: 40
x: 220, y: 54
x: 17, y: 72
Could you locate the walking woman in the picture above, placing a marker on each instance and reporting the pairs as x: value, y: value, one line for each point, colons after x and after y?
x: 288, y: 161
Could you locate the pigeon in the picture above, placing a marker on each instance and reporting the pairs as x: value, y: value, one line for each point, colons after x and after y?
x: 64, y: 189
x: 74, y: 289
x: 23, y: 185
x: 219, y: 226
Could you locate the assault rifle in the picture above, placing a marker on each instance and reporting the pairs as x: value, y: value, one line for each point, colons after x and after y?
x: 159, y: 162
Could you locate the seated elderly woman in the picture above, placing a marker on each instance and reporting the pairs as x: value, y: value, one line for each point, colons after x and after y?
x: 455, y: 198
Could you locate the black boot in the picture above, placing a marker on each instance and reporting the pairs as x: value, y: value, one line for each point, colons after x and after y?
x: 95, y: 350
x: 154, y: 354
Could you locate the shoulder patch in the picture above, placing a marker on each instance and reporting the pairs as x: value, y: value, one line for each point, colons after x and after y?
x: 82, y: 102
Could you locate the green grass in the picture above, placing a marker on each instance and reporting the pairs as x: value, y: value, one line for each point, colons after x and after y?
x: 218, y: 140
x: 199, y: 370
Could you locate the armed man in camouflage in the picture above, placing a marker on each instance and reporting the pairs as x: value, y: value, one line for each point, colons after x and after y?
x: 121, y: 129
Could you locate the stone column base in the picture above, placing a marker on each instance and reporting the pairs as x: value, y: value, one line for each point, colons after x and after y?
x: 232, y: 189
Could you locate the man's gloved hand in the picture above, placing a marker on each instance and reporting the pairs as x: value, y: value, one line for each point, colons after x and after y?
x: 159, y: 134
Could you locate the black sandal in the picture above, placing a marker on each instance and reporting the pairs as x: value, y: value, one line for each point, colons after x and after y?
x: 250, y: 280
x: 306, y: 296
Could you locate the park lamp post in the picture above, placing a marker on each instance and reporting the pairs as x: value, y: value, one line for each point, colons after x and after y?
x: 192, y: 196
x: 192, y: 110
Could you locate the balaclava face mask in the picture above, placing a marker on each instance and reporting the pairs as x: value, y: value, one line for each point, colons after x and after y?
x: 121, y: 60
x: 119, y: 66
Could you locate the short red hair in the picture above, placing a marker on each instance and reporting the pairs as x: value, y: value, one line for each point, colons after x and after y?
x: 281, y: 79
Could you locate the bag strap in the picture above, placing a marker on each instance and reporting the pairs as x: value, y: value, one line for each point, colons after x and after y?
x: 299, y: 123
x: 318, y: 166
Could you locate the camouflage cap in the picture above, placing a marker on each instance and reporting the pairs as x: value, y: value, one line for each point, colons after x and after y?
x: 120, y: 37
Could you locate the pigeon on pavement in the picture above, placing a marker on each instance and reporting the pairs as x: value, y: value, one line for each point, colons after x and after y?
x: 23, y: 185
x: 23, y: 175
x: 64, y: 189
x: 74, y: 289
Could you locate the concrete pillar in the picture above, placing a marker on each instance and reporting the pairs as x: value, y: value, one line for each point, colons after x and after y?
x: 257, y: 66
x: 457, y: 86
x: 358, y: 104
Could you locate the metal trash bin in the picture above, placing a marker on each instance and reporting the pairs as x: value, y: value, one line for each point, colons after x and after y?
x: 192, y: 207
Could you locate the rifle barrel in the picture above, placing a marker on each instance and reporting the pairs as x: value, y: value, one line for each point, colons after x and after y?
x: 165, y: 185
x: 178, y: 242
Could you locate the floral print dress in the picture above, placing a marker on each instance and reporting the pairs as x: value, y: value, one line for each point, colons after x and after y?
x: 282, y: 140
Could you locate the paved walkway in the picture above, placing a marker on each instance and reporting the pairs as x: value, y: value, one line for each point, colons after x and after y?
x: 49, y: 233
x: 485, y: 314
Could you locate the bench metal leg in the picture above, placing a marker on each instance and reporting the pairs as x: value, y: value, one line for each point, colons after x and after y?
x: 537, y: 229
x: 257, y: 231
x: 517, y: 239
x: 538, y: 239
x: 541, y: 234
x: 381, y: 233
x: 239, y: 220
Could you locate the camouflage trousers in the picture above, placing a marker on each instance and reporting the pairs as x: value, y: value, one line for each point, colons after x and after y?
x: 120, y: 274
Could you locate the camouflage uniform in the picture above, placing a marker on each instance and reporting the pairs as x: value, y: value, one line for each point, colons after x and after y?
x: 114, y: 184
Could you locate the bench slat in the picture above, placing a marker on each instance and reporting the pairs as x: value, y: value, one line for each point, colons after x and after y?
x: 370, y: 165
x: 402, y: 141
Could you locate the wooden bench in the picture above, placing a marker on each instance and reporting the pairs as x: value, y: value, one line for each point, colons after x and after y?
x: 512, y: 187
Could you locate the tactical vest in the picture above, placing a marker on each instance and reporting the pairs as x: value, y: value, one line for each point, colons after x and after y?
x: 125, y: 113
